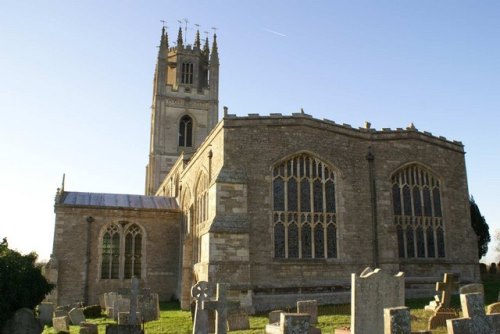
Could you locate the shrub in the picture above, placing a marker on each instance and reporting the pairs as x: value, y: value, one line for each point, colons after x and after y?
x: 92, y: 311
x: 21, y: 282
x: 493, y: 268
x: 483, y: 268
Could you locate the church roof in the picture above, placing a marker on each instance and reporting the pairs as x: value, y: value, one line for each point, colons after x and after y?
x: 73, y: 198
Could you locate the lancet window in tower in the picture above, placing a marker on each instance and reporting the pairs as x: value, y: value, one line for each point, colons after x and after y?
x: 187, y: 73
x: 186, y: 131
x: 416, y: 196
x: 304, y: 209
x: 122, y: 251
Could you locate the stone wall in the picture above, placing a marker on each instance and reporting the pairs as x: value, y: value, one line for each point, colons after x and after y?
x: 252, y: 145
x: 160, y: 262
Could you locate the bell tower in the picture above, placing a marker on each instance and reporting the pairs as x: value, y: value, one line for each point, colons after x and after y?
x: 185, y: 103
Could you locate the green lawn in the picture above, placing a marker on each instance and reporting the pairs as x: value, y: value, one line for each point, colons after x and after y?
x: 173, y: 320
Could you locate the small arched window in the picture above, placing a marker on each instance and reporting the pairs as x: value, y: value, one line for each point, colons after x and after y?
x: 111, y: 252
x: 186, y: 131
x: 416, y: 200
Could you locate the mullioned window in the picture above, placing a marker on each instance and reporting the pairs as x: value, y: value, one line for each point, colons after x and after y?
x: 304, y: 209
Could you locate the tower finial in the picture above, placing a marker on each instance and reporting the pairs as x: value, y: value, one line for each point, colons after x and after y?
x: 164, y: 38
x: 215, y: 52
x: 197, y: 43
x: 179, y: 39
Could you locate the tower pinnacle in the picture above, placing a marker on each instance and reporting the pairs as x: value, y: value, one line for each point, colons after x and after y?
x: 179, y: 39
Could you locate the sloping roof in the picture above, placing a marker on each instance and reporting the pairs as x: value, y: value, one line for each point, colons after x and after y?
x: 73, y: 198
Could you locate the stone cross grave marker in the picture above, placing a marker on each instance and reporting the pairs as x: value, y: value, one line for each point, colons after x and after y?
x: 373, y: 291
x: 132, y: 320
x: 447, y: 287
x: 200, y: 293
x: 475, y: 320
x: 221, y: 306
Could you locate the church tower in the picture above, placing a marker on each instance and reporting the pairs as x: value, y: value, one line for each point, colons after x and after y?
x: 185, y: 103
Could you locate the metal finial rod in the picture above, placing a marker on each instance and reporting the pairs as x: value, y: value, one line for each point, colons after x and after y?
x: 214, y: 29
x: 186, y: 21
x: 163, y: 23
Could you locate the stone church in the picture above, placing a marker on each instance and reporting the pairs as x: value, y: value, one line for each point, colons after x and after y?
x: 279, y: 206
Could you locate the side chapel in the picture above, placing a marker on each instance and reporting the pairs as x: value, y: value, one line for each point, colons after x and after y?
x: 281, y: 207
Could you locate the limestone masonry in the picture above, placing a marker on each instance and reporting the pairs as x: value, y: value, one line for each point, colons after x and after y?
x: 281, y: 207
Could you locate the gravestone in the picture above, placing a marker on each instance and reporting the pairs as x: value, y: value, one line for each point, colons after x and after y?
x: 493, y: 308
x: 121, y: 305
x: 475, y: 320
x: 22, y: 322
x: 373, y: 291
x: 88, y: 328
x: 45, y: 313
x: 221, y: 307
x: 76, y: 316
x: 290, y: 323
x: 274, y: 316
x: 132, y: 320
x: 472, y: 288
x: 238, y: 321
x: 442, y: 310
x: 109, y: 299
x: 124, y: 318
x: 61, y: 324
x: 131, y: 327
x: 447, y: 287
x: 397, y: 320
x: 60, y: 313
x: 310, y: 307
x: 149, y: 306
x: 200, y: 293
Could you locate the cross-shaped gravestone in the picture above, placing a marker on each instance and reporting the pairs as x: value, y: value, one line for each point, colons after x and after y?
x: 199, y: 292
x: 221, y: 306
x: 132, y: 320
x: 447, y: 287
x: 475, y: 321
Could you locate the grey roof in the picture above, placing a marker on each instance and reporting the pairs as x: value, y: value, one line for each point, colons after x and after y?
x: 73, y: 198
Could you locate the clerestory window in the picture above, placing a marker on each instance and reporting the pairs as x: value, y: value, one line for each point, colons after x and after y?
x: 304, y: 209
x: 186, y: 131
x: 122, y: 251
x: 187, y: 73
x: 416, y: 196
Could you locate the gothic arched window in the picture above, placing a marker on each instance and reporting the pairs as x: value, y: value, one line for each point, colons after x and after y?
x: 304, y: 209
x: 122, y: 251
x: 186, y: 131
x: 187, y: 73
x: 416, y: 199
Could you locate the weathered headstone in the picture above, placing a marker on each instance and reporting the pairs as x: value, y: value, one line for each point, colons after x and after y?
x: 88, y: 328
x: 397, y: 320
x: 109, y: 299
x: 493, y: 308
x: 133, y: 301
x: 121, y: 305
x: 238, y: 321
x: 76, y: 316
x: 131, y: 327
x: 447, y: 287
x: 59, y: 312
x: 291, y: 323
x: 23, y: 321
x: 200, y: 293
x: 475, y: 320
x: 124, y: 318
x: 438, y: 319
x: 373, y: 291
x: 61, y: 324
x: 310, y: 307
x: 274, y: 316
x: 221, y: 307
x: 472, y: 288
x: 45, y: 313
x: 149, y: 306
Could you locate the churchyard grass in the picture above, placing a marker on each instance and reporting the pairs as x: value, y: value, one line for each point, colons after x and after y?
x: 173, y: 320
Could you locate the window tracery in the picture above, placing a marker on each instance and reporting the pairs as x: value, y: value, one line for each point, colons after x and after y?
x: 304, y: 209
x: 122, y: 251
x: 416, y: 197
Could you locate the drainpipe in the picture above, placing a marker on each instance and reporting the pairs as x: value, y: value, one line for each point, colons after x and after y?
x: 370, y: 157
x: 89, y: 219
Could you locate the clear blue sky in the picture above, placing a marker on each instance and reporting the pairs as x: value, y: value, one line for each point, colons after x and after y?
x: 76, y: 85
